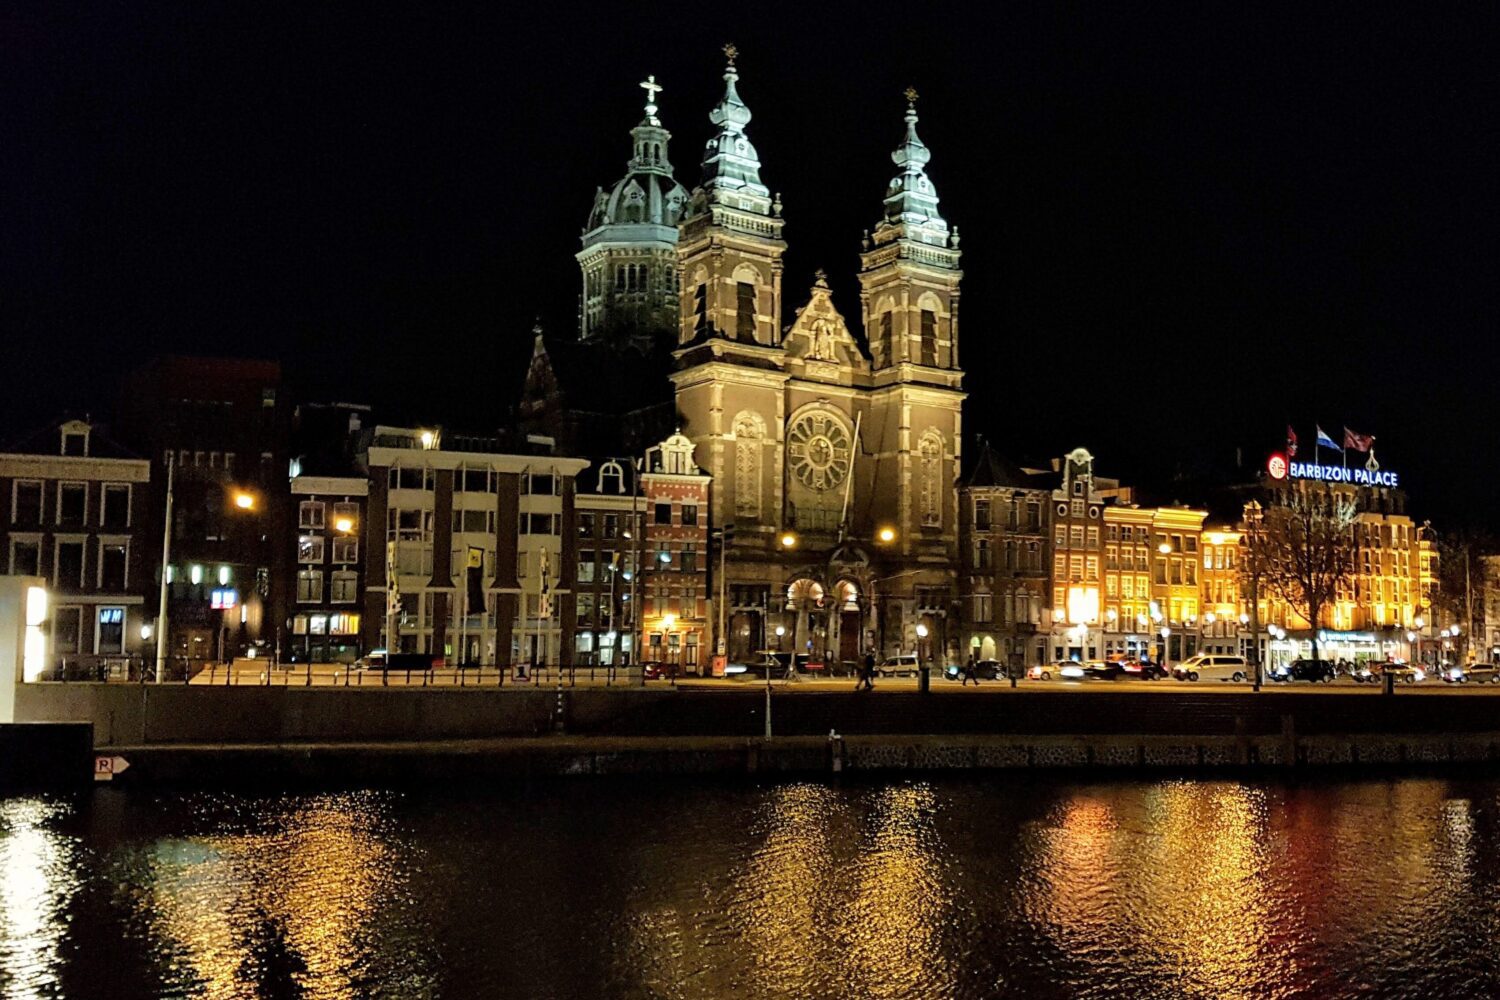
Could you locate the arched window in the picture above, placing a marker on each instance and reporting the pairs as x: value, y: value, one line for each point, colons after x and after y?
x: 611, y: 478
x: 930, y: 469
x: 749, y: 435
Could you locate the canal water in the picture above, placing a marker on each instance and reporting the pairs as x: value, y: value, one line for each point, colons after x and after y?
x: 950, y: 887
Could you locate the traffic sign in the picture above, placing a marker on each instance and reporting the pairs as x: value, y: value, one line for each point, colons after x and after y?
x: 105, y: 768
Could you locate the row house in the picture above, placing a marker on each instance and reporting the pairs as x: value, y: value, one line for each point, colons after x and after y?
x: 74, y: 503
x: 610, y: 546
x: 674, y: 570
x: 328, y: 597
x: 477, y: 559
x: 1004, y: 519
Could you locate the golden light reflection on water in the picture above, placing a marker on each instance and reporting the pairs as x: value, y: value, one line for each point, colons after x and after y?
x: 38, y: 878
x: 832, y: 891
x: 292, y: 904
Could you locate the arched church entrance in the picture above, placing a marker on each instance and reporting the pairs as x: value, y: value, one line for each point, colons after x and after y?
x: 804, y: 599
x: 846, y: 621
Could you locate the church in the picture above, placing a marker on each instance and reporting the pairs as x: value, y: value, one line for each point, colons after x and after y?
x: 833, y: 456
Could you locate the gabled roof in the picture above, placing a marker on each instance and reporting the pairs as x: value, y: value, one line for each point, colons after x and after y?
x: 990, y: 469
x: 48, y: 441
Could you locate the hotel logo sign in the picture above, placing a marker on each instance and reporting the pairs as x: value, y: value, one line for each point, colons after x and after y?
x: 1280, y: 468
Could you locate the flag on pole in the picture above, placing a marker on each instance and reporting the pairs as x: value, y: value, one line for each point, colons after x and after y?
x: 544, y: 600
x: 1357, y: 441
x: 1324, y: 441
x: 392, y: 590
x: 1291, y: 442
x: 475, y: 581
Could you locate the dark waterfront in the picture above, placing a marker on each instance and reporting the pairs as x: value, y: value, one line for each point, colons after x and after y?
x: 945, y: 888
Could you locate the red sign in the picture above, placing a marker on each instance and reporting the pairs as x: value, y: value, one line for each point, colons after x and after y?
x: 1276, y: 466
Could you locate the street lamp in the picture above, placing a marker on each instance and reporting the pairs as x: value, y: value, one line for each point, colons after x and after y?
x: 789, y: 540
x: 921, y: 645
x: 887, y: 535
x: 344, y: 525
x: 1165, y: 655
x: 244, y: 500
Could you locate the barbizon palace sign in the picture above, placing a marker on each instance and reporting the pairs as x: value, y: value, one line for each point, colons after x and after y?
x: 1279, y: 468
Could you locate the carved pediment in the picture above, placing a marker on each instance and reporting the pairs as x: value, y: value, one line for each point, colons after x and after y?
x: 819, y: 336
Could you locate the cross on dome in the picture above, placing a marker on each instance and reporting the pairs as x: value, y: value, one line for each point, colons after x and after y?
x: 731, y: 52
x: 652, y: 88
x: 911, y: 95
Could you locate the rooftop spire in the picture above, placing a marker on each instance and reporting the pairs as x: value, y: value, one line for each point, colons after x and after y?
x: 911, y: 200
x: 730, y: 163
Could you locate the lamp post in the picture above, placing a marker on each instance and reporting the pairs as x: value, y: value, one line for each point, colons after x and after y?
x: 1254, y: 516
x: 166, y: 562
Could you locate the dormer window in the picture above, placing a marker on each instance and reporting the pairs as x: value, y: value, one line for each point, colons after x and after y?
x: 611, y: 478
x: 75, y: 439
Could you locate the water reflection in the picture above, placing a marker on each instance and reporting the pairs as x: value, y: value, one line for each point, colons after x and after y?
x: 951, y: 888
x: 39, y: 874
x: 290, y: 906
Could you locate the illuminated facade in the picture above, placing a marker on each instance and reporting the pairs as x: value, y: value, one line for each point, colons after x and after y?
x: 674, y: 564
x: 836, y: 464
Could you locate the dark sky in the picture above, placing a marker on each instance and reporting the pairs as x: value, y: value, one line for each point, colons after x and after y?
x: 1184, y: 224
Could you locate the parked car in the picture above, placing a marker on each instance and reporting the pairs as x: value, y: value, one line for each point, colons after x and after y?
x: 1304, y: 670
x: 658, y: 671
x: 1141, y: 670
x: 1363, y: 673
x: 1462, y: 673
x: 1040, y: 672
x: 1405, y: 673
x: 901, y: 665
x: 987, y: 670
x: 1213, y: 667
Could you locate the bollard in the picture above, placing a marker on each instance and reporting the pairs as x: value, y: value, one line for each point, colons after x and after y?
x: 924, y: 679
x: 309, y: 674
x: 1390, y: 682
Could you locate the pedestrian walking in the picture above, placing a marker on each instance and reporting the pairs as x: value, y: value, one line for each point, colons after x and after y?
x: 866, y: 673
x: 970, y: 673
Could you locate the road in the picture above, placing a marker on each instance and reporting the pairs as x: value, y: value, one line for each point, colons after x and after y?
x: 249, y: 673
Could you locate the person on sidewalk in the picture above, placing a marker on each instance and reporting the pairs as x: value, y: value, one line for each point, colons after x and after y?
x: 866, y: 673
x: 970, y: 673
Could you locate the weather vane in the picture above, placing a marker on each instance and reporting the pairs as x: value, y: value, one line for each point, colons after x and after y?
x: 911, y: 95
x: 730, y: 52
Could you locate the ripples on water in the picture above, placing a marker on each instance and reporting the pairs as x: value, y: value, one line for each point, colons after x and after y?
x: 945, y: 888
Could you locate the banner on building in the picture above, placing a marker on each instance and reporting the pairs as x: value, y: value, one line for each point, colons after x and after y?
x: 474, y: 580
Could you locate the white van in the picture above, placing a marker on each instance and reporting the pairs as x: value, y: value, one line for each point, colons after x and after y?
x: 1213, y: 668
x: 900, y: 665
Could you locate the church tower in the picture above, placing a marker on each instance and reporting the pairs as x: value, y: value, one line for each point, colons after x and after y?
x: 730, y: 246
x: 629, y: 254
x: 730, y: 379
x: 909, y: 278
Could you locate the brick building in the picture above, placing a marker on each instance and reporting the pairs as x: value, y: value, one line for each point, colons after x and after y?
x: 76, y: 515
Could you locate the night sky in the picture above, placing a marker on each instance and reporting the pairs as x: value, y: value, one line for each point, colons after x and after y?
x: 1183, y: 225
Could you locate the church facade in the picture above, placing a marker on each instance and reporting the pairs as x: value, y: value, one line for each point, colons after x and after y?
x: 833, y: 457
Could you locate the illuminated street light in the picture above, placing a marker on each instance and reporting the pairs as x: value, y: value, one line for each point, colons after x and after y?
x: 244, y: 501
x: 887, y: 535
x: 428, y: 439
x: 1164, y: 548
x: 780, y: 631
x: 668, y: 620
x: 1419, y: 622
x: 789, y: 540
x: 146, y: 630
x: 921, y: 631
x: 1244, y: 618
x: 344, y: 524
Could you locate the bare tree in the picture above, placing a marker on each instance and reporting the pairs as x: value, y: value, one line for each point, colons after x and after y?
x: 1307, y: 548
